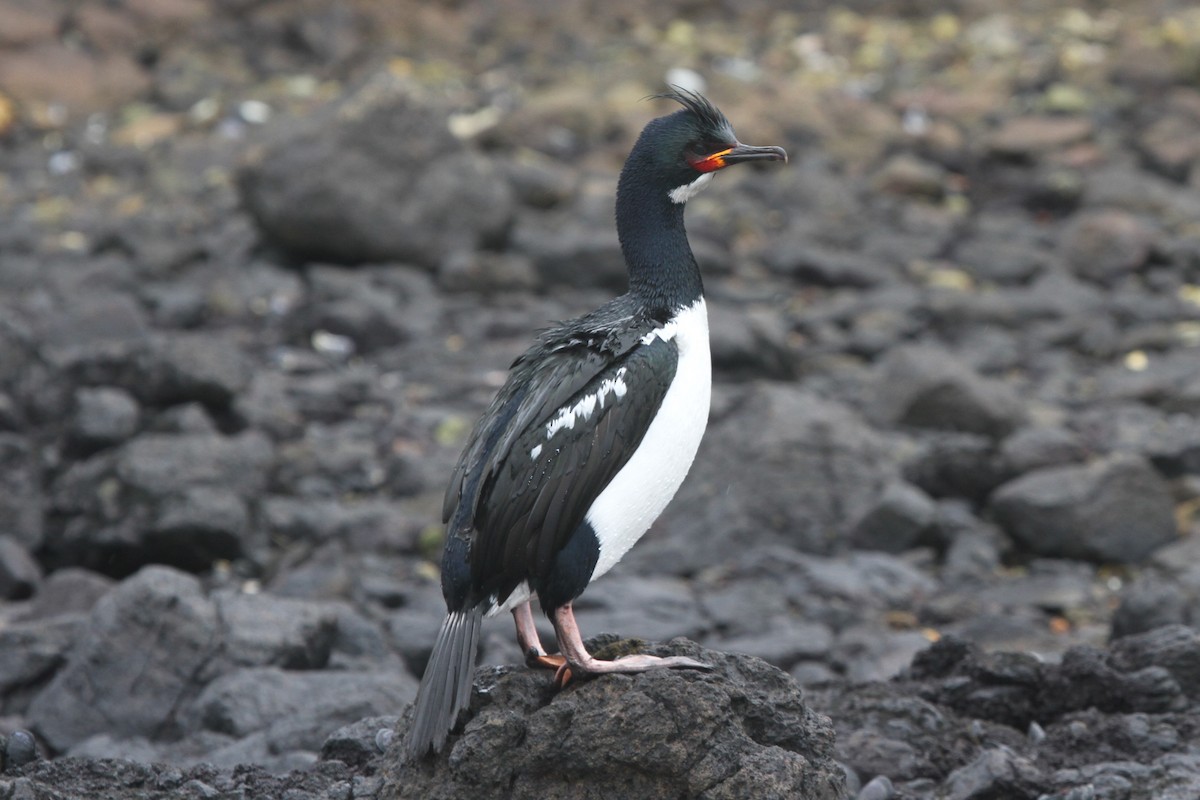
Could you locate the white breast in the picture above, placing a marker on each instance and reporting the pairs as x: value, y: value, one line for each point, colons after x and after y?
x: 641, y: 490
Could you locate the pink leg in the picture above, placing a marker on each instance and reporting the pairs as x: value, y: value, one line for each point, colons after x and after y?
x: 531, y: 643
x: 580, y: 661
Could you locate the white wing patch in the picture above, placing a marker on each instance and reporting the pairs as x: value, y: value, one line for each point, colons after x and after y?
x: 585, y: 407
x: 681, y: 194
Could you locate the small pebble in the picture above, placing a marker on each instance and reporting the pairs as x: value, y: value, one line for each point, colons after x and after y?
x: 878, y: 788
x: 197, y: 788
x: 383, y: 739
x: 1036, y: 733
x: 20, y: 750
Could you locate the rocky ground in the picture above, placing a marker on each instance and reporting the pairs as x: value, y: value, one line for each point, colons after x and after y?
x: 262, y: 264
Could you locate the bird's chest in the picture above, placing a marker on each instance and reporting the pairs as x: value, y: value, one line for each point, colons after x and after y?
x: 636, y: 496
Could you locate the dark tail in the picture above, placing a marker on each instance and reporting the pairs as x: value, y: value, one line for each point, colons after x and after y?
x: 446, y: 688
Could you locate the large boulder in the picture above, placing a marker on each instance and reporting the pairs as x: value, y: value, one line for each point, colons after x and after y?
x: 741, y: 730
x: 1116, y: 509
x: 376, y: 177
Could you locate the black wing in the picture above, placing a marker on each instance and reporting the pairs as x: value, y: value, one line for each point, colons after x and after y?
x: 518, y: 494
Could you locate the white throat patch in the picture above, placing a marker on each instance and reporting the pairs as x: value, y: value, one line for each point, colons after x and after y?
x: 681, y: 194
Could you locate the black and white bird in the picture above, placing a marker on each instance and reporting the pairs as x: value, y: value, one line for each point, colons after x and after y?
x: 591, y: 435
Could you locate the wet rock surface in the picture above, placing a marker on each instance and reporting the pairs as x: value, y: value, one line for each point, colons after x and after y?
x: 263, y: 264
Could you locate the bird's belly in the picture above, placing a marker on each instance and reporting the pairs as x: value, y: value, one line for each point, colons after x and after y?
x: 641, y: 490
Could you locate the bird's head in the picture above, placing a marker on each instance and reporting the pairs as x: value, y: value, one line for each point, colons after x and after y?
x: 685, y: 149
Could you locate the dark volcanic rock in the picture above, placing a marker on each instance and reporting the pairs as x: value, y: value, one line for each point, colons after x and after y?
x: 19, y: 573
x: 827, y: 467
x: 903, y: 515
x: 1106, y: 245
x: 104, y: 416
x: 1115, y: 509
x: 929, y: 388
x: 179, y: 500
x: 297, y: 710
x: 20, y: 490
x: 742, y: 730
x: 162, y: 616
x: 376, y: 178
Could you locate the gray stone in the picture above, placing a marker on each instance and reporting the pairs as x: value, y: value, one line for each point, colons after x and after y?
x: 1035, y: 447
x: 1146, y: 605
x: 1114, y: 509
x: 1106, y: 245
x: 20, y: 491
x: 900, y: 520
x: 357, y: 743
x: 996, y: 772
x: 1175, y: 648
x: 30, y: 652
x: 376, y: 178
x: 263, y: 630
x: 748, y: 345
x: 198, y: 526
x: 66, y: 591
x: 104, y: 416
x: 926, y: 387
x: 742, y: 730
x: 19, y: 573
x: 162, y: 618
x: 811, y: 264
x: 828, y: 467
x: 297, y: 709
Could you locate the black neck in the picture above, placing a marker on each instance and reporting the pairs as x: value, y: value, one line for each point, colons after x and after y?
x: 662, y: 270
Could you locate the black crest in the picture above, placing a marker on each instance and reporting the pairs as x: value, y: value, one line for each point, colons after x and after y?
x: 709, y: 115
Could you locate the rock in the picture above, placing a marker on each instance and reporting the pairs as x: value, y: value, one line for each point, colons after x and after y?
x: 19, y: 573
x: 20, y: 491
x: 828, y: 468
x: 1036, y: 447
x: 163, y: 617
x: 1174, y: 648
x: 263, y: 630
x: 878, y: 788
x: 30, y: 652
x: 1147, y: 605
x: 172, y: 499
x: 1104, y: 246
x: 196, y: 527
x: 810, y: 264
x: 374, y: 307
x: 104, y: 417
x: 487, y: 273
x: 359, y: 742
x: 376, y: 178
x: 929, y: 388
x: 67, y: 591
x: 186, y: 367
x: 747, y: 345
x: 1032, y: 136
x: 784, y: 643
x: 996, y: 772
x: 1116, y: 509
x: 21, y: 749
x: 905, y: 174
x: 567, y: 252
x: 1001, y: 260
x: 296, y: 709
x: 899, y: 521
x: 740, y: 731
x: 52, y: 72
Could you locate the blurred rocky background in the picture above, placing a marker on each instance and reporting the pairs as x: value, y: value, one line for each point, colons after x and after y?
x: 262, y: 263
